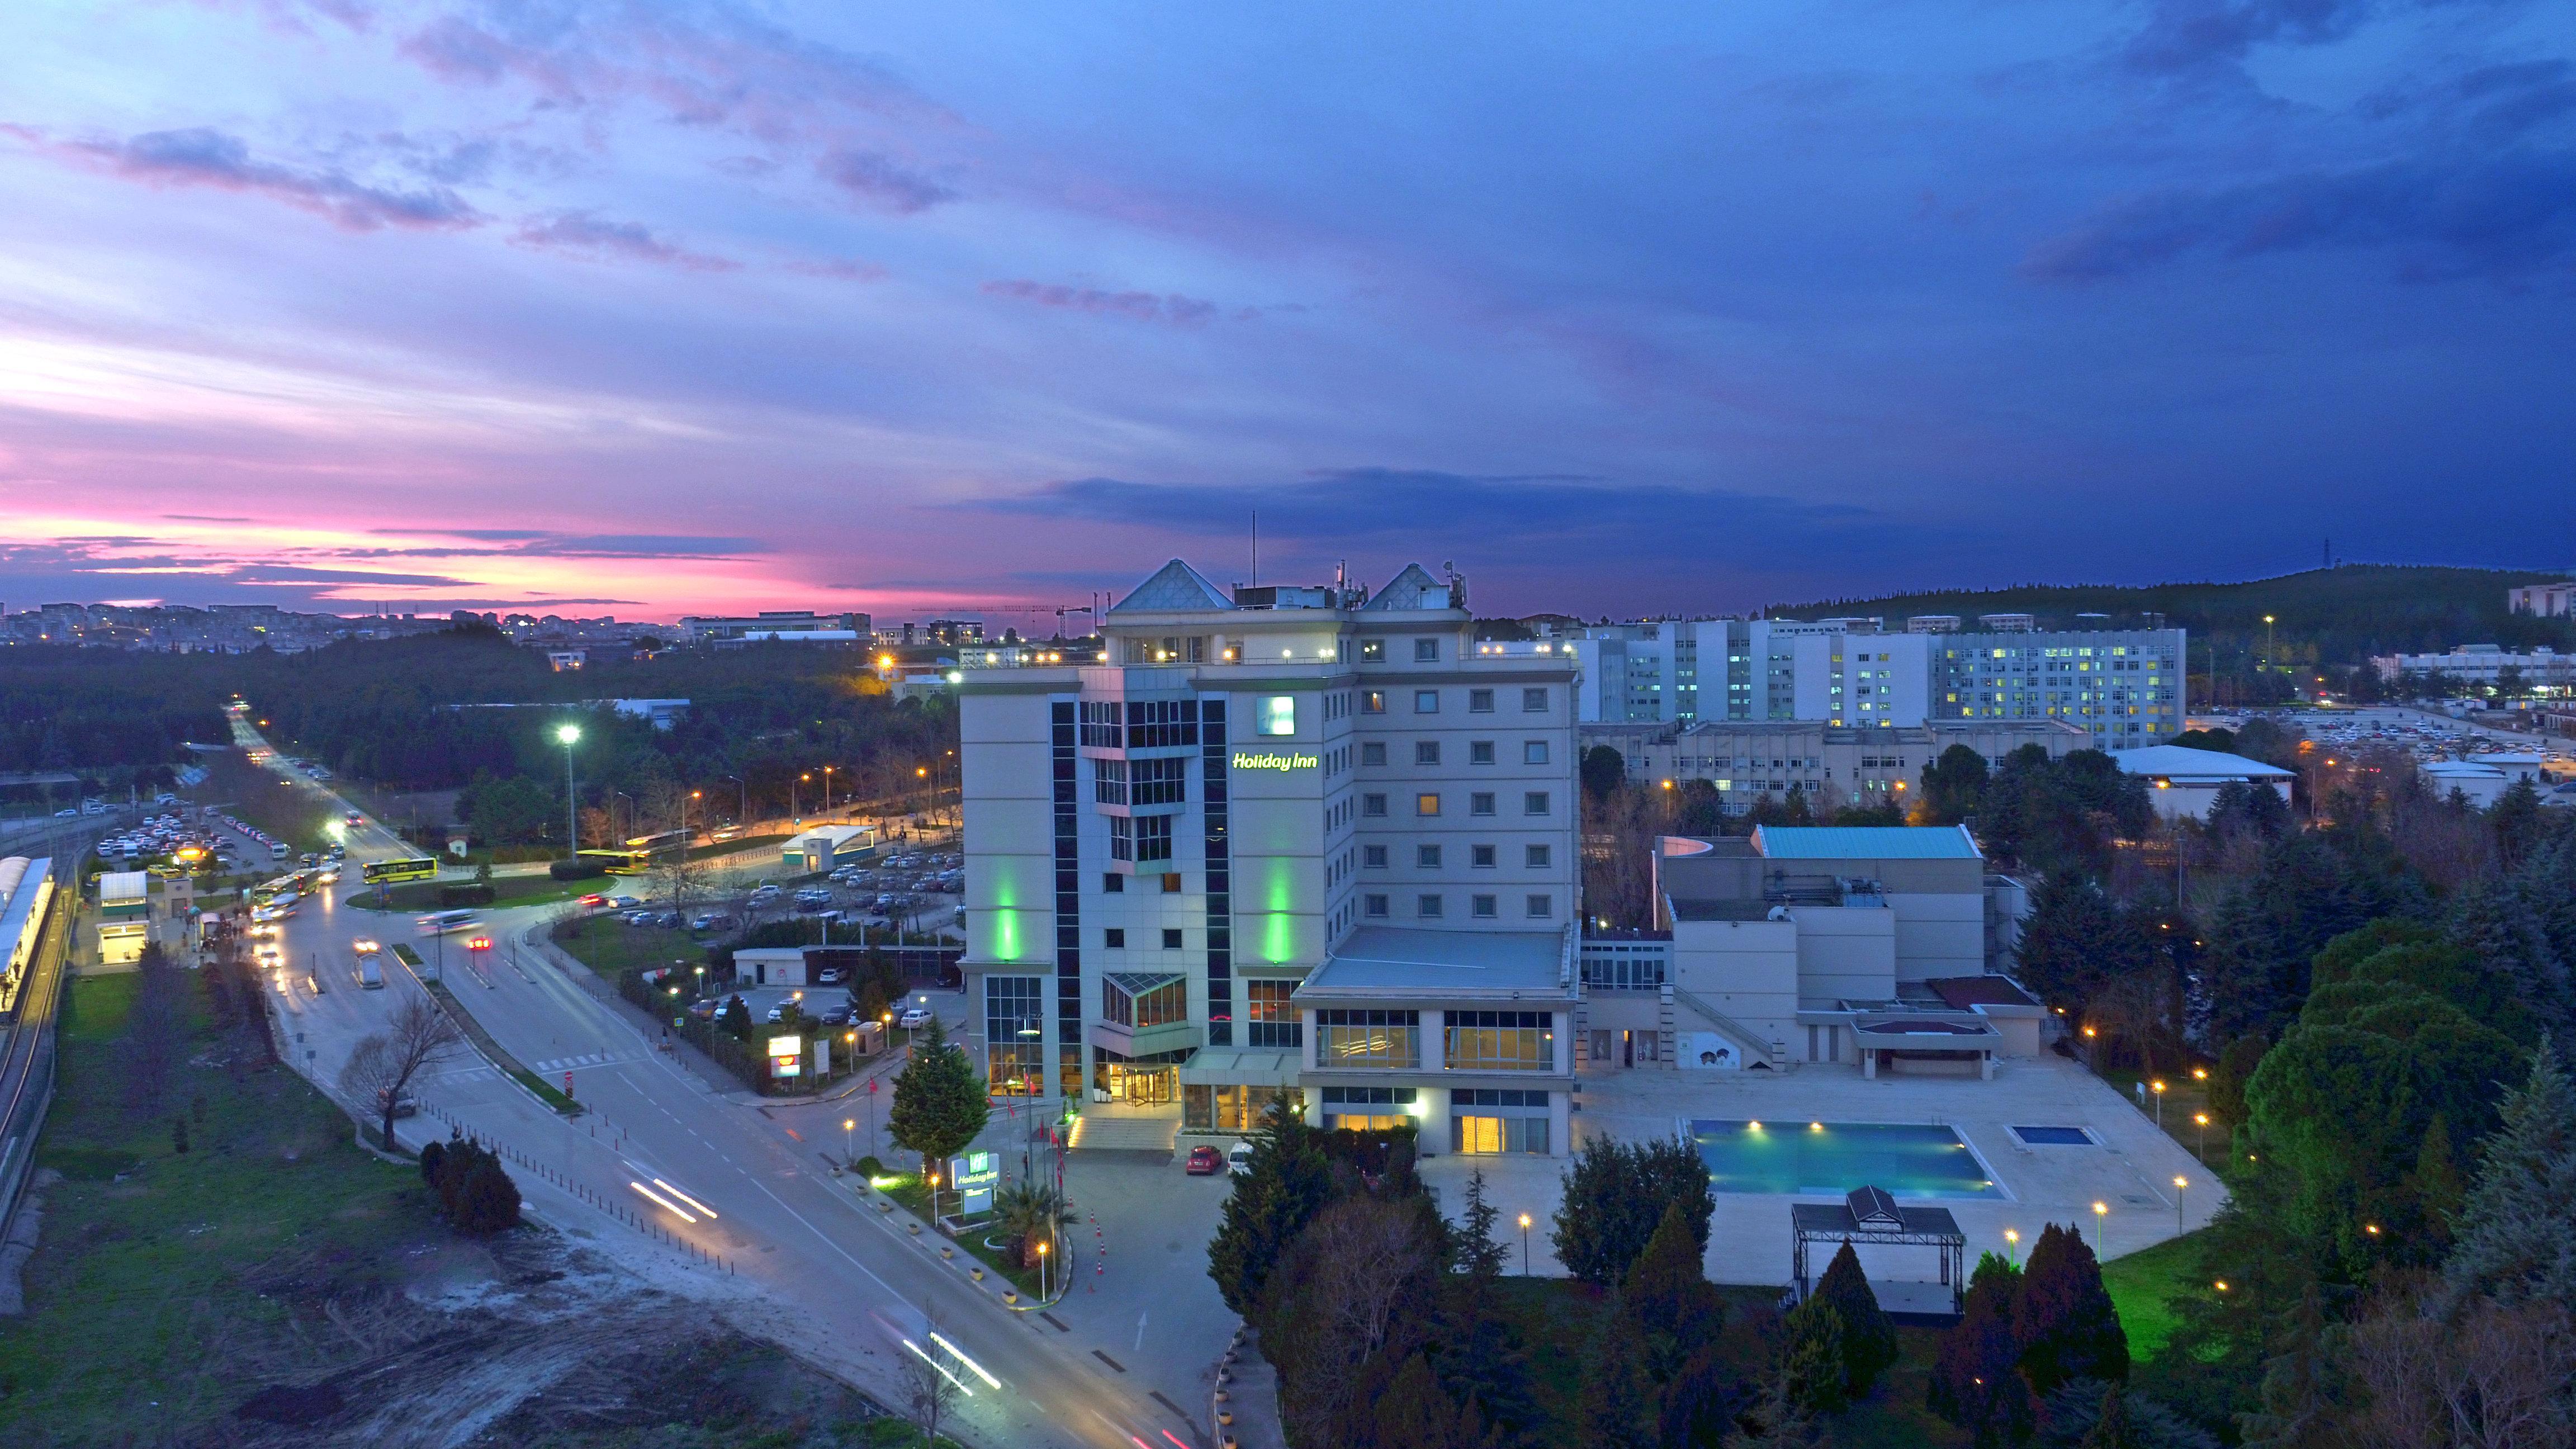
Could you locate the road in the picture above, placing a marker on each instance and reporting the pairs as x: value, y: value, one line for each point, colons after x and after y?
x: 836, y: 1280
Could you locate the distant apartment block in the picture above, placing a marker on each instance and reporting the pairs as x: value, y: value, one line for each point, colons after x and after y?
x: 2549, y: 601
x: 2542, y: 669
x: 800, y: 626
x: 2123, y: 687
x: 1841, y: 764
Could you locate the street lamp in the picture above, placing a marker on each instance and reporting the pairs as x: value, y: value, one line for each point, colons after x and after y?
x: 1525, y: 1245
x: 796, y: 797
x: 2201, y: 1120
x: 2158, y: 1088
x: 849, y: 1125
x: 2099, y: 1208
x: 2012, y: 1245
x: 570, y: 734
x: 2180, y: 1184
x: 1042, y: 1270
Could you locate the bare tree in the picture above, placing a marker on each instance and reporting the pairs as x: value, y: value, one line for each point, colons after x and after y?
x: 2494, y: 1379
x: 382, y: 1065
x: 155, y: 1028
x: 931, y: 1388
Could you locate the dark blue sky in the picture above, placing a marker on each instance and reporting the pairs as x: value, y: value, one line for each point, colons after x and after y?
x: 1621, y: 308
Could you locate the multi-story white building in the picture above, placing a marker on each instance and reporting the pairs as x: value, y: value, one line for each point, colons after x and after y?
x: 2549, y: 601
x: 1281, y: 838
x: 1835, y: 764
x: 2543, y: 670
x: 2122, y: 687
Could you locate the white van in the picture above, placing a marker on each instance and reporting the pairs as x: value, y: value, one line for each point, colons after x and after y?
x: 448, y: 923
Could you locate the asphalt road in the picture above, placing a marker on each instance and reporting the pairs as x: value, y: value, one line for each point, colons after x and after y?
x: 836, y: 1280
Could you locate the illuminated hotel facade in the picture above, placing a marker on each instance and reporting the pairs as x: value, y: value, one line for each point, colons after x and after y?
x: 1311, y: 838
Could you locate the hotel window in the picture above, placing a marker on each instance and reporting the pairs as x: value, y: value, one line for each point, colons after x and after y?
x: 1533, y: 701
x: 1427, y: 907
x: 1161, y: 723
x: 1171, y: 939
x: 1427, y: 857
x: 1146, y: 837
x: 1426, y: 752
x: 1115, y: 937
x: 1480, y: 752
x: 1372, y: 651
x: 1534, y: 802
x: 1274, y: 1019
x: 1501, y: 1041
x: 1157, y: 782
x: 1139, y: 999
x: 1480, y: 701
x: 1426, y: 701
x: 1100, y: 727
x: 1353, y: 1038
x: 1481, y: 802
x: 1013, y: 1012
x: 1542, y: 908
x: 1373, y: 754
x: 1426, y: 804
x: 1278, y: 715
x: 1484, y: 857
x: 1171, y: 885
x: 1373, y: 906
x: 1373, y: 856
x: 1534, y: 856
x: 1373, y: 806
x: 1122, y: 838
x: 1112, y: 883
x: 1372, y: 701
x: 1426, y: 651
x: 1533, y: 752
x: 1367, y: 1109
x: 1482, y: 907
x: 1109, y: 781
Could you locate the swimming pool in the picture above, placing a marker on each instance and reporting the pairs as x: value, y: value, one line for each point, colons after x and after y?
x: 1908, y: 1159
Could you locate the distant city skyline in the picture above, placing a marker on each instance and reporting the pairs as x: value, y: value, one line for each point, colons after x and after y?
x: 604, y: 308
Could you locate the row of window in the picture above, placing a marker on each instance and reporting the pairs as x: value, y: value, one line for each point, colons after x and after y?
x: 1482, y: 857
x: 1140, y: 782
x: 1479, y: 802
x: 1141, y: 838
x: 1432, y: 906
x: 1479, y: 701
x: 1479, y: 752
x: 1484, y: 1041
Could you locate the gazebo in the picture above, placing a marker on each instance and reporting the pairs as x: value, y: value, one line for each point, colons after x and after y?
x: 1870, y: 1217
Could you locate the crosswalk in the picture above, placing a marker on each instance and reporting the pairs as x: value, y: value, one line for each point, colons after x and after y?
x: 588, y: 1059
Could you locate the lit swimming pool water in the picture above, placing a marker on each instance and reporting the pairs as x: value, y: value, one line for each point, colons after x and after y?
x: 1909, y: 1160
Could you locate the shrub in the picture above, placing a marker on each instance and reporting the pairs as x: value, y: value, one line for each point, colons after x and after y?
x: 475, y: 1192
x: 576, y: 869
x: 465, y: 895
x: 1614, y: 1196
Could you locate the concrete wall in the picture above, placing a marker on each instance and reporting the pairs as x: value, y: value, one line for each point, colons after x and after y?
x: 1747, y: 969
x: 1939, y: 935
x: 1845, y: 952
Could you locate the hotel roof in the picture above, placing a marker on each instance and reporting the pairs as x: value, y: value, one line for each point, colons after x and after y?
x: 1174, y: 588
x: 2182, y: 762
x: 1397, y: 961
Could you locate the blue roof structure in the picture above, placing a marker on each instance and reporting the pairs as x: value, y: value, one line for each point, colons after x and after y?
x: 1865, y: 842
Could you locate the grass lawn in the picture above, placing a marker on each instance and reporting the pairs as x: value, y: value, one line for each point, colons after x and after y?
x: 2184, y: 1098
x: 1557, y: 1318
x: 164, y: 1280
x: 509, y: 890
x: 610, y: 947
x: 2141, y: 1282
x: 907, y: 1191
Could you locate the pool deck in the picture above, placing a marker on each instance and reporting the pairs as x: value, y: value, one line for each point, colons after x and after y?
x: 2132, y: 1172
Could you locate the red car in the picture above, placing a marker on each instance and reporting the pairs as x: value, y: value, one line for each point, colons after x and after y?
x: 1206, y: 1162
x: 593, y: 900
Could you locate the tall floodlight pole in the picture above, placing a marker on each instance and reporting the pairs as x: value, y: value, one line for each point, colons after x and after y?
x: 572, y: 810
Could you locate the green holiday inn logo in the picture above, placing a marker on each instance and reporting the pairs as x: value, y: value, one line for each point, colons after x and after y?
x: 1272, y: 760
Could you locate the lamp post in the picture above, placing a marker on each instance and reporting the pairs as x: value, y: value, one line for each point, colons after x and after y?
x: 796, y: 797
x: 2099, y: 1209
x: 2158, y: 1087
x: 1042, y: 1270
x: 827, y: 788
x: 2180, y: 1185
x: 2201, y: 1120
x: 849, y: 1127
x: 2012, y: 1245
x: 569, y: 734
x: 742, y: 802
x: 2267, y: 643
x: 1525, y: 1261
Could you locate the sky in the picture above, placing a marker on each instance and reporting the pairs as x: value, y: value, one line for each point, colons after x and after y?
x: 603, y: 306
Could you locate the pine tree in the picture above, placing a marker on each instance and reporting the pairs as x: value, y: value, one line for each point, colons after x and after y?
x: 1617, y: 1407
x: 2111, y: 1425
x: 487, y: 1201
x: 1480, y: 1254
x: 1678, y: 1311
x: 940, y: 1105
x: 1414, y: 1412
x: 1976, y: 1377
x: 2435, y: 1186
x: 1702, y: 1401
x: 1818, y: 1379
x: 2516, y: 1233
x: 2064, y: 1318
x: 1286, y: 1184
x: 1869, y: 1335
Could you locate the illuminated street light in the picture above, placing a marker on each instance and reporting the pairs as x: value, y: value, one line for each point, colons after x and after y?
x: 2181, y: 1185
x: 1525, y: 1256
x: 2012, y: 1244
x: 570, y: 734
x: 2099, y: 1210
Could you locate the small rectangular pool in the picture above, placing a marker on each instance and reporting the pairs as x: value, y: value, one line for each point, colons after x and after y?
x: 1907, y: 1159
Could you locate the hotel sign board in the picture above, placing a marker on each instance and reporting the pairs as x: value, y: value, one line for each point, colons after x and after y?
x: 974, y: 1177
x: 1284, y: 761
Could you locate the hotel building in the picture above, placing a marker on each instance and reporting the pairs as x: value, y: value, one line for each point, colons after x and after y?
x: 1280, y: 837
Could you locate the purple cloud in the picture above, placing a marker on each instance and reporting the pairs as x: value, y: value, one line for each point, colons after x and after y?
x: 879, y: 181
x: 841, y: 269
x: 1175, y: 309
x: 202, y: 156
x: 583, y: 234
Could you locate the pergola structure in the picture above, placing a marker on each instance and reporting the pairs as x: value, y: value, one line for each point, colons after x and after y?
x: 1870, y: 1217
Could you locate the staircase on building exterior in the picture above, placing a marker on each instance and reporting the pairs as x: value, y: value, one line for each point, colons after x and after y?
x: 1755, y: 1046
x: 1105, y: 1129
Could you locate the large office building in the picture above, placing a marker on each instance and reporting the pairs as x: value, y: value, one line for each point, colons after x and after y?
x: 1310, y: 838
x: 1835, y: 764
x: 2123, y: 687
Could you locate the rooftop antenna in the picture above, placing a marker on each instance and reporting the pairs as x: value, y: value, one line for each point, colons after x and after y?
x: 1256, y: 547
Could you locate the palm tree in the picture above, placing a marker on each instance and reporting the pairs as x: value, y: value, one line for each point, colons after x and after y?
x: 1029, y: 1212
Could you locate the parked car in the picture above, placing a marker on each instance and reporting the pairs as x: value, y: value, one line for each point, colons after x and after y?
x: 837, y: 1016
x: 1238, y: 1159
x: 913, y: 1016
x: 405, y: 1104
x: 624, y: 903
x: 668, y: 920
x: 1205, y: 1162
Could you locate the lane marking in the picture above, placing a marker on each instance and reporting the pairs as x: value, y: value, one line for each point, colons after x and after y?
x: 1105, y: 1358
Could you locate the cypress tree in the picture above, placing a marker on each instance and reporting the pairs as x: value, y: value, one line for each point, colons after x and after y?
x: 1976, y: 1378
x: 1287, y: 1184
x: 1869, y: 1335
x: 940, y: 1102
x: 1617, y: 1407
x: 1678, y: 1311
x: 2064, y: 1318
x: 2516, y: 1233
x: 1812, y: 1366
